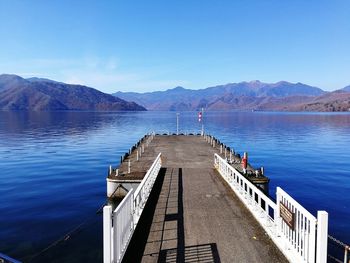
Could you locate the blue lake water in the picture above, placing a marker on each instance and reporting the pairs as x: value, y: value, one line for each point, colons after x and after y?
x: 53, y: 167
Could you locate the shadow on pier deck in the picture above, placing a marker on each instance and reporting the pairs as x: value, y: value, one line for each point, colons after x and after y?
x: 193, y: 216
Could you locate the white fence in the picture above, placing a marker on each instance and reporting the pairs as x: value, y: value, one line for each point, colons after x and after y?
x: 119, y: 225
x: 144, y: 189
x: 302, y: 239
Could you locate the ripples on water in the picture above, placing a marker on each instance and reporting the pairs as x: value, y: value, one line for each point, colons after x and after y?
x: 53, y: 168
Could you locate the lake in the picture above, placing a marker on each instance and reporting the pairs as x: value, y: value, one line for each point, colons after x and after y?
x: 53, y: 168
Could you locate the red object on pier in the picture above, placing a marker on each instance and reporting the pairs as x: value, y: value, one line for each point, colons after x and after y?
x: 244, y: 163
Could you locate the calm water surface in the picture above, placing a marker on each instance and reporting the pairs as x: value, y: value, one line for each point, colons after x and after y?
x: 53, y: 168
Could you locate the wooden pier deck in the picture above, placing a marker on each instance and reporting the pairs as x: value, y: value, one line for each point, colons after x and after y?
x: 192, y: 215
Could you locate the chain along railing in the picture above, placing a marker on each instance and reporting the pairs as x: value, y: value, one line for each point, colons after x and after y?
x: 6, y: 259
x: 297, y: 233
x: 119, y: 225
x: 338, y: 251
x: 181, y: 132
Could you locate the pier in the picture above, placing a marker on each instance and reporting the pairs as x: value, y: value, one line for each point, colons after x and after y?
x: 188, y: 198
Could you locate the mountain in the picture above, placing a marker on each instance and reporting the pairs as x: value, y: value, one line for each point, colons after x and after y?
x: 8, y: 81
x: 17, y: 93
x: 347, y: 88
x: 333, y: 101
x: 328, y: 102
x: 35, y: 79
x: 241, y: 96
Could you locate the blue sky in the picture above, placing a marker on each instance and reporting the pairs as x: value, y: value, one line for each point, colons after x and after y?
x: 155, y: 45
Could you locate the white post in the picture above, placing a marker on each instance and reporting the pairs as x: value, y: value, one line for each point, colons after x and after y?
x: 225, y: 153
x: 312, y: 242
x: 245, y: 156
x: 129, y: 166
x: 220, y: 148
x: 137, y: 155
x: 177, y: 123
x: 110, y: 169
x: 107, y: 234
x: 202, y: 132
x: 277, y: 216
x: 143, y: 148
x: 117, y: 172
x: 322, y: 237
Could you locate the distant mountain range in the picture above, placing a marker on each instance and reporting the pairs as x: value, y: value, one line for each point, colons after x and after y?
x: 254, y: 95
x: 38, y: 94
x: 17, y: 93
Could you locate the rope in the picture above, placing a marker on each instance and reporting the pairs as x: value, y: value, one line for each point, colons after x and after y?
x: 340, y: 243
x: 66, y: 236
x: 335, y: 259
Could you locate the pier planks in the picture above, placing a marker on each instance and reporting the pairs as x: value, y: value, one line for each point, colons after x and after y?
x: 192, y: 215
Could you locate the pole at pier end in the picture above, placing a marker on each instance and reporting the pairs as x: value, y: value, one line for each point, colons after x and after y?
x: 202, y: 122
x: 177, y: 123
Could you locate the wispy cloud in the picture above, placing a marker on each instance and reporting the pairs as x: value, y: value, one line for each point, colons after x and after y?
x: 112, y: 82
x: 105, y: 74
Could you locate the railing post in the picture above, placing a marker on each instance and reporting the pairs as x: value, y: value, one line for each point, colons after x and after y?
x: 322, y: 237
x: 107, y: 234
x: 312, y: 243
x: 132, y: 211
x: 277, y: 216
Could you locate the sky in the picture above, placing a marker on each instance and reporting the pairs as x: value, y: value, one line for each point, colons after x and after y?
x: 144, y: 46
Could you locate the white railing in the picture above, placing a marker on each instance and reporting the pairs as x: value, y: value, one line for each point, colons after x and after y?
x: 144, y: 189
x: 298, y: 241
x: 123, y: 226
x: 119, y: 225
